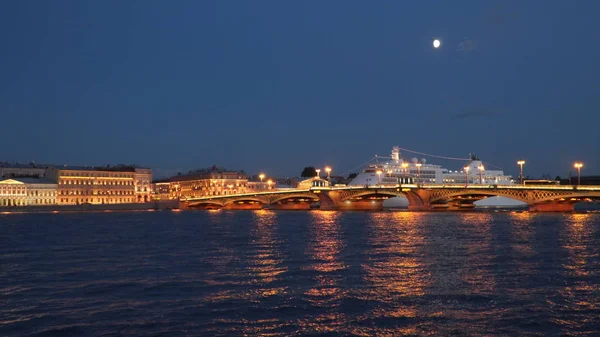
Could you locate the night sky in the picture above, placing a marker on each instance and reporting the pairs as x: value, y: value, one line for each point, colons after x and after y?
x: 275, y: 86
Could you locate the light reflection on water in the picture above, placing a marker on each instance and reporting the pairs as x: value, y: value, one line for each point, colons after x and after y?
x: 580, y: 292
x: 268, y: 273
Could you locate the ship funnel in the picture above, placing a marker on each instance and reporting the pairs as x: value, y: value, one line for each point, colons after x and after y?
x: 423, y: 160
x: 395, y: 153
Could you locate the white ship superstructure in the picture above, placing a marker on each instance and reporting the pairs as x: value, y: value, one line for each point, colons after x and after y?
x: 397, y: 170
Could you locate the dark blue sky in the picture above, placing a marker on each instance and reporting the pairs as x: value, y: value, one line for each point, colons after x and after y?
x: 277, y: 85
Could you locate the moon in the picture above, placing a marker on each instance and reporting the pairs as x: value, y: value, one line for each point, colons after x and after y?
x: 436, y: 43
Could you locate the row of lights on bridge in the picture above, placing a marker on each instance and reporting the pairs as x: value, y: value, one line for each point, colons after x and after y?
x: 481, y: 168
x: 578, y: 165
x: 262, y: 176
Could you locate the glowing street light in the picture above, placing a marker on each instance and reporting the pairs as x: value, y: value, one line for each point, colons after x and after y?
x: 318, y: 173
x: 379, y: 172
x: 467, y: 176
x: 481, y: 168
x: 328, y: 170
x: 418, y: 165
x: 521, y: 163
x: 269, y: 182
x: 261, y: 177
x: 578, y: 166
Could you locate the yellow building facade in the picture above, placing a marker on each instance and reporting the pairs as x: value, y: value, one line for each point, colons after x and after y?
x: 208, y: 182
x: 27, y: 192
x: 143, y: 184
x: 96, y: 185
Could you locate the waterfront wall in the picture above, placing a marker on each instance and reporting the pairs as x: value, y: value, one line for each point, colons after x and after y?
x: 158, y: 205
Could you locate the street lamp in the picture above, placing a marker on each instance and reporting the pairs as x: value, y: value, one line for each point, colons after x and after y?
x: 467, y: 176
x: 578, y: 166
x: 328, y: 170
x: 269, y: 182
x: 418, y: 165
x: 261, y: 177
x: 521, y: 163
x: 379, y: 172
x: 481, y: 168
x: 404, y: 166
x: 318, y: 171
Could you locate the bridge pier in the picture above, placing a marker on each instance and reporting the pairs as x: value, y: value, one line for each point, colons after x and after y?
x: 332, y: 200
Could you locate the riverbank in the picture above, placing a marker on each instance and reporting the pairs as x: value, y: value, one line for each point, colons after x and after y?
x: 158, y: 205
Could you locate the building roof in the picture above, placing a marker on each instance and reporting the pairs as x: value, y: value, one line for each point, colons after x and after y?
x: 115, y: 168
x: 119, y: 167
x: 19, y: 165
x: 30, y: 180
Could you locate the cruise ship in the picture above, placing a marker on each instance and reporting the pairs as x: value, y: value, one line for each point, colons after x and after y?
x: 397, y: 170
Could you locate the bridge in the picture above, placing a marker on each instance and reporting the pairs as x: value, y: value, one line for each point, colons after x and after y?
x: 421, y: 197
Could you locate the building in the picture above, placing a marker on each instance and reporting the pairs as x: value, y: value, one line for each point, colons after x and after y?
x: 161, y: 190
x: 143, y: 184
x: 101, y: 185
x: 27, y: 192
x: 260, y: 186
x: 313, y: 182
x: 206, y: 182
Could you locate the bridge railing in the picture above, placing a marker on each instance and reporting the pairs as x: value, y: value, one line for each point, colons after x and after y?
x: 473, y: 186
x: 403, y: 186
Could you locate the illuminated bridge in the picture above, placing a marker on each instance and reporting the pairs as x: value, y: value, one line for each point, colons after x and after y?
x: 422, y: 197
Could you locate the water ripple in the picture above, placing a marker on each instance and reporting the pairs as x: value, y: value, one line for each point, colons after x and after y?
x: 269, y: 273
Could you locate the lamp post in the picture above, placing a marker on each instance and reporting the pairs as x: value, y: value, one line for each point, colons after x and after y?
x: 404, y: 166
x: 578, y: 166
x: 379, y: 177
x: 318, y: 173
x: 269, y: 182
x: 481, y: 168
x: 466, y: 176
x: 328, y: 170
x: 418, y: 165
x: 261, y: 177
x: 521, y: 163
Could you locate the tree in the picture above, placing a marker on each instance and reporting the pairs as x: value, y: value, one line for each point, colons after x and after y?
x: 308, y: 172
x: 557, y: 178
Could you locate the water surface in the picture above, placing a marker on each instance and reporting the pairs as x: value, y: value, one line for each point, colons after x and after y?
x: 228, y: 273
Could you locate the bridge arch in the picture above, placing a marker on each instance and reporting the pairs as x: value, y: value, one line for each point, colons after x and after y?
x: 205, y: 204
x: 245, y: 200
x: 366, y: 194
x: 313, y: 197
x: 442, y: 195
